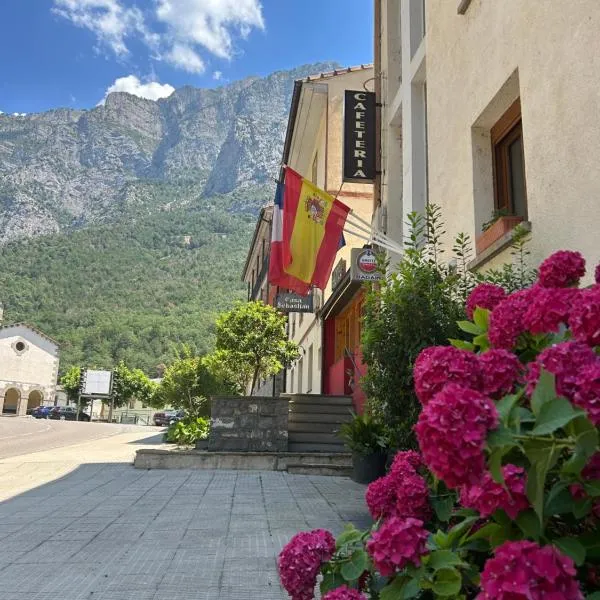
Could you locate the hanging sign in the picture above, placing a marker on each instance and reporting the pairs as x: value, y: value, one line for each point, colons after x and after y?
x: 364, y: 265
x: 359, y: 136
x: 290, y: 302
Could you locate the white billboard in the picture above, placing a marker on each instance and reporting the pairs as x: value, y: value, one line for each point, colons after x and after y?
x: 97, y: 383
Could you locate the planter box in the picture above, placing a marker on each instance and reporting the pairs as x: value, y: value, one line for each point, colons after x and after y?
x: 500, y: 228
x: 248, y: 424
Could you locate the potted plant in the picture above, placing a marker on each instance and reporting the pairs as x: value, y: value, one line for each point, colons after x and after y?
x: 366, y: 438
x: 499, y: 225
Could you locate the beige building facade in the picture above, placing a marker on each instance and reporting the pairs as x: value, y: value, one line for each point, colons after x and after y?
x: 28, y: 368
x: 490, y: 110
x: 314, y: 148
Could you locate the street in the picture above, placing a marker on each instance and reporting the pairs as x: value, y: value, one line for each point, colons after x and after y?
x: 78, y: 522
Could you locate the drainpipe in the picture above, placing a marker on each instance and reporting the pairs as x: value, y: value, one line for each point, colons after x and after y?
x: 378, y: 128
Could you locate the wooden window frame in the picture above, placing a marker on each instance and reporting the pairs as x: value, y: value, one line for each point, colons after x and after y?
x: 504, y: 133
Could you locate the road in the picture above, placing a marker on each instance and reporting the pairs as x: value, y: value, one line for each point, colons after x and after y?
x: 78, y: 522
x: 24, y: 435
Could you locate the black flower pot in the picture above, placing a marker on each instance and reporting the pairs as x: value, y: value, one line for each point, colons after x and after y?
x: 368, y: 467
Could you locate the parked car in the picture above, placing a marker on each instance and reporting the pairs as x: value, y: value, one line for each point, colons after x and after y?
x: 164, y: 418
x: 41, y: 412
x: 67, y: 413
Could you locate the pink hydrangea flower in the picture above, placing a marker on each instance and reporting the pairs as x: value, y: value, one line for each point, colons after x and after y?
x: 485, y: 295
x: 407, y: 461
x: 442, y: 365
x: 412, y: 498
x: 501, y: 370
x: 381, y: 497
x: 565, y: 360
x: 597, y: 274
x: 591, y: 471
x: 301, y: 559
x: 452, y: 430
x: 562, y: 269
x: 396, y: 544
x: 487, y: 496
x: 506, y: 320
x: 526, y: 571
x: 587, y: 395
x: 584, y: 319
x: 344, y: 593
x: 549, y: 308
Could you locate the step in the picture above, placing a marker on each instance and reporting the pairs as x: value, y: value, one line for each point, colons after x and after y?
x: 319, y: 438
x: 319, y: 469
x: 317, y: 399
x: 334, y: 409
x: 333, y: 419
x: 339, y: 459
x: 313, y: 447
x: 312, y: 426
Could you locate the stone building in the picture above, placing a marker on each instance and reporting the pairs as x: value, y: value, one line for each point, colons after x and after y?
x: 489, y: 110
x: 28, y: 368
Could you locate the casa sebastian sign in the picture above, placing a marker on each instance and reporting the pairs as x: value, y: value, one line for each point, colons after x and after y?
x: 289, y: 302
x: 359, y: 136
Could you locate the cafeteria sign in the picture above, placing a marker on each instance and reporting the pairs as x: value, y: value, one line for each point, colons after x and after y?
x: 289, y: 302
x: 364, y: 265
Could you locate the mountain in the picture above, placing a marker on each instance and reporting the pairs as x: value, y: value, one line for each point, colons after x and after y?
x: 65, y: 168
x: 123, y: 229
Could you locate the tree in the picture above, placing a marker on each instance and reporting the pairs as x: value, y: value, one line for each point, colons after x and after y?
x: 70, y: 382
x: 251, y: 343
x: 187, y: 384
x: 128, y: 384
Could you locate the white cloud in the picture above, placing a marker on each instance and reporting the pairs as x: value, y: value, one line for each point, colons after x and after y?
x: 184, y: 57
x: 217, y: 75
x: 109, y: 20
x: 210, y: 23
x: 181, y: 27
x: 17, y: 114
x: 152, y: 90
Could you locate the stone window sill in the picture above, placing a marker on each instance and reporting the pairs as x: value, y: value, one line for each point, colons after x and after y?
x: 463, y: 5
x: 501, y: 244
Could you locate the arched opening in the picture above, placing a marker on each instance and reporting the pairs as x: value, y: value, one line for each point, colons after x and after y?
x: 11, y: 401
x: 35, y: 399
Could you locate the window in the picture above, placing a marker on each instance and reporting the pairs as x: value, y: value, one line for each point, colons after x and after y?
x: 309, y: 378
x: 315, y: 168
x: 300, y: 319
x: 293, y: 318
x: 300, y: 369
x: 292, y: 381
x: 510, y: 193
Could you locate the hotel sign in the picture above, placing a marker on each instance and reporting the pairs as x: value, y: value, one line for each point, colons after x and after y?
x: 359, y: 137
x: 289, y: 302
x: 364, y: 265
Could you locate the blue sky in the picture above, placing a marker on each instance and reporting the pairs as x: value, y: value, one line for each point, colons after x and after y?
x: 70, y: 52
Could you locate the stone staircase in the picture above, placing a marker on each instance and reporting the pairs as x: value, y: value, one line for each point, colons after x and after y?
x: 314, y: 421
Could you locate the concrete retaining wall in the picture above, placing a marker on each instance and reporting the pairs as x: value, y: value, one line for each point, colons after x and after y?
x: 246, y: 424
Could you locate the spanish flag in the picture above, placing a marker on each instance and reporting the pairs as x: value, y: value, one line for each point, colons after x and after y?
x: 308, y: 225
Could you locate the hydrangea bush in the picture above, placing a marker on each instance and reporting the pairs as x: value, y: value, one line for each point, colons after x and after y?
x: 503, y: 500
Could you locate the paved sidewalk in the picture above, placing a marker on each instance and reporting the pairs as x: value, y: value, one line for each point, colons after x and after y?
x: 109, y: 532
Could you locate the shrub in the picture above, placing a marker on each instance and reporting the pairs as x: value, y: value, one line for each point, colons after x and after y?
x: 188, y: 431
x: 503, y: 503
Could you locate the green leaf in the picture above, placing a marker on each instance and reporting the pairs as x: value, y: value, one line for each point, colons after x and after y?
x: 582, y: 508
x: 412, y: 589
x: 331, y: 581
x: 571, y: 547
x: 471, y: 328
x: 482, y: 341
x: 592, y: 488
x: 447, y: 582
x: 495, y: 464
x: 594, y: 596
x: 350, y: 535
x: 505, y: 406
x: 559, y: 501
x: 481, y: 317
x: 544, y: 391
x: 553, y: 415
x: 461, y: 528
x: 356, y: 565
x: 443, y: 507
x: 529, y: 523
x: 591, y: 543
x: 542, y: 457
x: 394, y: 590
x: 501, y: 438
x: 486, y: 532
x: 441, y: 559
x: 461, y: 344
x: 585, y: 445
